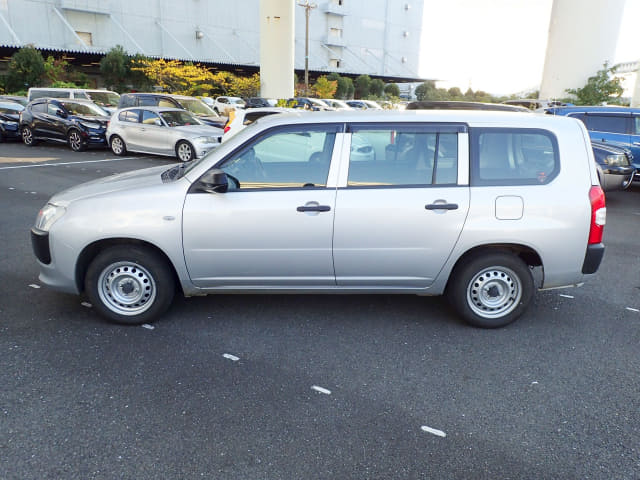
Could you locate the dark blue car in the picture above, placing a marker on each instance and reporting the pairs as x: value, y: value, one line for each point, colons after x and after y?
x: 617, y: 125
x: 9, y: 118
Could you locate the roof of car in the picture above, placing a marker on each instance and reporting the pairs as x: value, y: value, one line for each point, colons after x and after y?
x: 154, y: 108
x: 595, y: 108
x: 11, y: 104
x: 456, y: 105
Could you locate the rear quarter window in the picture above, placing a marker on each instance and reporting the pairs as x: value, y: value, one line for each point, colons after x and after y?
x: 513, y: 156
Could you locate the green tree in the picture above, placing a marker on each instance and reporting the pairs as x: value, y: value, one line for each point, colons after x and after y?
x: 362, y: 85
x: 392, y: 90
x: 376, y: 88
x: 426, y: 91
x: 455, y: 93
x: 115, y: 68
x: 600, y: 88
x: 26, y: 69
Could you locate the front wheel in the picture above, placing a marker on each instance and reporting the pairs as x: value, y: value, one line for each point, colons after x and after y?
x: 28, y: 137
x: 185, y: 151
x: 129, y: 285
x: 491, y: 290
x: 75, y: 141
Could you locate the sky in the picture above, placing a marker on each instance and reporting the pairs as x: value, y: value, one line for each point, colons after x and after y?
x: 499, y: 45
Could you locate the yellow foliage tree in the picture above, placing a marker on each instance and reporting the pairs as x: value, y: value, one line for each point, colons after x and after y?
x: 246, y: 87
x: 325, y: 88
x: 175, y: 77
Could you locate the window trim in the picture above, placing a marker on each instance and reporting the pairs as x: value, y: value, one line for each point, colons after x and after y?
x: 474, y: 157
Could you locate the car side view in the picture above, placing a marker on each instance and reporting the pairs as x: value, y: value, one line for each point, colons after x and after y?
x: 79, y: 123
x: 161, y: 131
x: 484, y: 207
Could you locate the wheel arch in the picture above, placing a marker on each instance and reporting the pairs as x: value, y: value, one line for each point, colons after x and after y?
x: 92, y: 250
x: 527, y: 254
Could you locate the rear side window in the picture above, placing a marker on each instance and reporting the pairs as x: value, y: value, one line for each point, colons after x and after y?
x: 513, y: 156
x: 39, y: 107
x: 403, y: 156
x: 608, y: 123
x: 163, y: 102
x: 129, y: 116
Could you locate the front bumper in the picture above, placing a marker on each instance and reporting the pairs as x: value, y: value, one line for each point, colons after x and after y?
x: 9, y: 130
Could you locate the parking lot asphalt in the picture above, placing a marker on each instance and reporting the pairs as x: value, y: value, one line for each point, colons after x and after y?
x: 310, y: 386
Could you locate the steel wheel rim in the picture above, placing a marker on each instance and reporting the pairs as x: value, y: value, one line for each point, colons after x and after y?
x: 494, y: 292
x: 184, y: 152
x: 27, y: 136
x: 75, y: 141
x: 127, y: 288
x: 116, y: 145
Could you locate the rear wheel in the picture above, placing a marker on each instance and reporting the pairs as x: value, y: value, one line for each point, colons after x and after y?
x: 130, y: 285
x: 27, y: 136
x: 491, y: 290
x: 75, y: 141
x: 185, y: 151
x: 117, y: 146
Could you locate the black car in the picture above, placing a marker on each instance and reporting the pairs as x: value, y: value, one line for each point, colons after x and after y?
x: 9, y: 120
x: 79, y: 123
x: 614, y: 163
x: 205, y: 114
x: 14, y: 98
x: 258, y: 102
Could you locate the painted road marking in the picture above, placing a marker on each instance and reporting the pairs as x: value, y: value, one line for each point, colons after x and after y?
x: 321, y: 390
x: 68, y: 163
x: 438, y: 433
x: 228, y: 356
x: 566, y: 296
x: 633, y: 309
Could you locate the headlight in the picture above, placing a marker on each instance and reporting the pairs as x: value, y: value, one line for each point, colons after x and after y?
x: 8, y: 122
x: 49, y: 214
x: 618, y: 160
x: 206, y: 140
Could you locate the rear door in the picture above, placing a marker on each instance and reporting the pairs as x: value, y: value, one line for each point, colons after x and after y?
x: 402, y: 205
x: 611, y: 127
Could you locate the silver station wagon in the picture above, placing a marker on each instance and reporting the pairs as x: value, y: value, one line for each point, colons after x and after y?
x: 485, y: 207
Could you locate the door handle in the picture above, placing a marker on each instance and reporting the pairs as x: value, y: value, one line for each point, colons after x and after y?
x: 441, y: 206
x: 314, y: 208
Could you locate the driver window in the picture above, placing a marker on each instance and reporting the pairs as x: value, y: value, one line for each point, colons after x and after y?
x: 150, y: 118
x: 297, y: 158
x: 52, y: 109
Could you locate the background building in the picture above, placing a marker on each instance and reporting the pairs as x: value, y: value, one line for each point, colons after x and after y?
x: 380, y: 38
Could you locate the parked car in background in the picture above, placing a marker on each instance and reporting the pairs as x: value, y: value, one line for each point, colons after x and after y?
x: 77, y: 122
x: 309, y: 103
x: 192, y: 104
x: 364, y: 104
x: 240, y: 119
x: 14, y: 98
x: 257, y: 102
x: 456, y: 105
x: 223, y: 105
x: 104, y: 98
x: 284, y: 207
x: 161, y: 131
x: 9, y: 120
x: 615, y: 169
x: 533, y: 103
x: 337, y: 104
x: 619, y: 125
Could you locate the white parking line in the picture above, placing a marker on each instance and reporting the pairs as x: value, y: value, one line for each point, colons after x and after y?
x: 633, y: 309
x: 228, y: 356
x: 566, y: 296
x: 68, y: 163
x: 434, y: 431
x: 321, y: 390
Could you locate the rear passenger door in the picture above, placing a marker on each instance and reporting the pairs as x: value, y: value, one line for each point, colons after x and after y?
x: 612, y: 127
x: 401, y: 205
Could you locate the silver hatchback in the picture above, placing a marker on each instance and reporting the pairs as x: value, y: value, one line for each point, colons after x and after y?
x: 485, y: 207
x: 161, y: 131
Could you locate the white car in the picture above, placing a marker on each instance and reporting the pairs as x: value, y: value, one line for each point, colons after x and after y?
x: 337, y: 104
x: 161, y: 131
x: 223, y: 105
x: 239, y: 119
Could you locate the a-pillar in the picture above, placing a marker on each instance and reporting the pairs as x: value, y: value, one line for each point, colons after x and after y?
x: 277, y: 38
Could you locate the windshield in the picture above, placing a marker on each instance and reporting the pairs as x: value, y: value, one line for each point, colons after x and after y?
x: 178, y: 118
x: 84, y: 109
x: 105, y: 99
x: 10, y: 108
x: 236, y: 101
x: 197, y: 106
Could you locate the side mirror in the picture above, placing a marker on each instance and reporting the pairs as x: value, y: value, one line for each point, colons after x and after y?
x: 157, y: 122
x: 61, y: 113
x: 214, y: 181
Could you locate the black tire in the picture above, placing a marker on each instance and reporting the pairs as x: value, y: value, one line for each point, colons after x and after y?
x: 129, y: 285
x: 75, y: 141
x: 28, y: 137
x: 118, y: 147
x: 491, y: 289
x: 185, y: 151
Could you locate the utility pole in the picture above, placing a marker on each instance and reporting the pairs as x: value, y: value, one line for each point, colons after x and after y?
x: 307, y: 7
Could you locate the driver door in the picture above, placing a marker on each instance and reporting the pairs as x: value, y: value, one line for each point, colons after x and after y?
x: 273, y: 228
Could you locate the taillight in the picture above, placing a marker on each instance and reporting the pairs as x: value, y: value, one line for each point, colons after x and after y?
x: 226, y: 128
x: 598, y: 214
